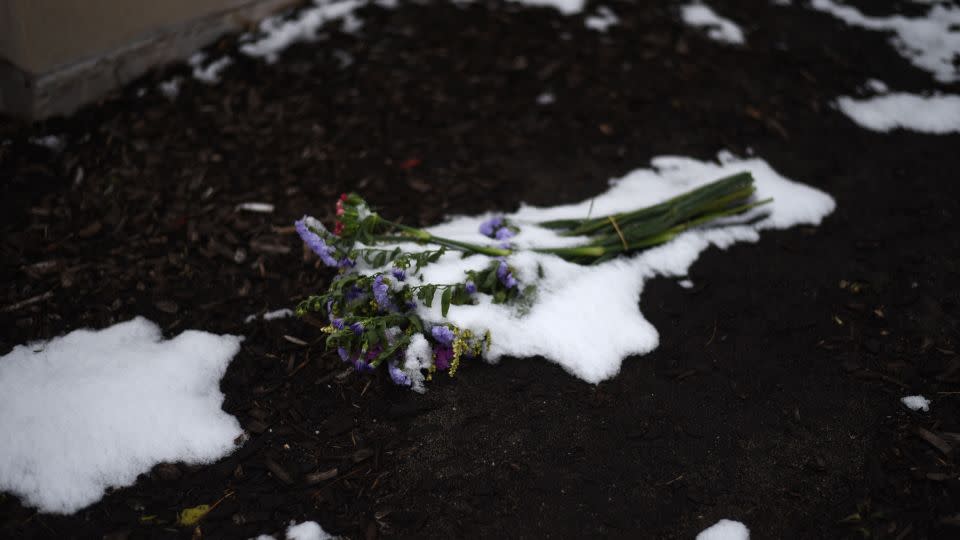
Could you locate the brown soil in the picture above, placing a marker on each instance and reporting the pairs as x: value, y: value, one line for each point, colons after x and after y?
x: 773, y: 398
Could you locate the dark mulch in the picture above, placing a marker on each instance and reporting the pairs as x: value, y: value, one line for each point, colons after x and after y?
x: 774, y: 395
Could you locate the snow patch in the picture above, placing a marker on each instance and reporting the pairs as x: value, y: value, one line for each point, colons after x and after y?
x: 718, y: 28
x: 937, y: 114
x: 567, y: 7
x: 308, y: 530
x: 931, y: 42
x: 587, y: 318
x: 208, y: 72
x: 170, y: 88
x: 725, y: 529
x: 95, y: 408
x: 278, y: 32
x: 602, y: 19
x: 916, y: 403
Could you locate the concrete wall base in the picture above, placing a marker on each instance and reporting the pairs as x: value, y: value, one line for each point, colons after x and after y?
x: 34, y: 96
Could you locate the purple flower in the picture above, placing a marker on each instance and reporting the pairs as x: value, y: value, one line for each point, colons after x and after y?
x: 362, y: 366
x: 506, y: 276
x: 314, y: 241
x: 442, y: 357
x: 344, y: 355
x: 504, y: 233
x: 398, y: 274
x: 354, y: 293
x: 397, y: 375
x: 337, y: 323
x: 357, y: 328
x: 380, y: 290
x: 470, y: 287
x: 346, y: 262
x: 489, y: 227
x: 442, y: 334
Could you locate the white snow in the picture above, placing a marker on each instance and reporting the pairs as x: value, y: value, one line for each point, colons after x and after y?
x: 937, y: 114
x: 602, y: 19
x: 418, y: 356
x: 93, y: 409
x: 567, y: 7
x: 587, y: 318
x: 916, y: 403
x: 208, y: 72
x: 931, y: 42
x: 270, y: 315
x: 685, y: 283
x: 718, y: 28
x: 725, y: 529
x: 308, y: 530
x: 277, y: 33
x: 171, y: 88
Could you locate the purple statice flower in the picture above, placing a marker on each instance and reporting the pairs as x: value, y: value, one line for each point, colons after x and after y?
x: 506, y: 276
x: 357, y: 328
x: 398, y: 274
x: 411, y: 305
x: 346, y: 263
x: 337, y: 323
x: 362, y: 366
x: 490, y: 226
x: 442, y: 334
x: 380, y: 292
x: 354, y: 293
x: 398, y: 376
x: 442, y: 357
x: 314, y: 241
x: 470, y: 287
x: 504, y: 233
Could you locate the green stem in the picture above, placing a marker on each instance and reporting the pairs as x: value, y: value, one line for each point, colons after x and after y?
x: 421, y: 236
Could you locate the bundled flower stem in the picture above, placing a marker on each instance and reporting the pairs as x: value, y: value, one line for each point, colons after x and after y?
x: 373, y: 313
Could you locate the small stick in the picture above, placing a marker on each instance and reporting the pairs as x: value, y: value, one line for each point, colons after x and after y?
x: 27, y: 302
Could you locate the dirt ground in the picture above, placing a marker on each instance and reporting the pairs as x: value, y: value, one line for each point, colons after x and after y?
x: 773, y: 398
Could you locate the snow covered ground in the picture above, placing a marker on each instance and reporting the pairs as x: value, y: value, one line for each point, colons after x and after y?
x: 931, y: 42
x: 95, y: 408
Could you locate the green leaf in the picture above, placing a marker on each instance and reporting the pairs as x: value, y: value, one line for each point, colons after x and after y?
x: 445, y: 301
x: 190, y: 516
x: 430, y: 291
x: 416, y: 323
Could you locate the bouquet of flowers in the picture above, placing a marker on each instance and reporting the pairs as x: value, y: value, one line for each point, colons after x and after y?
x: 373, y: 310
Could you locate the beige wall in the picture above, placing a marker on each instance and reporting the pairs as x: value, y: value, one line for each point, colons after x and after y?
x: 58, y: 55
x: 42, y: 35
